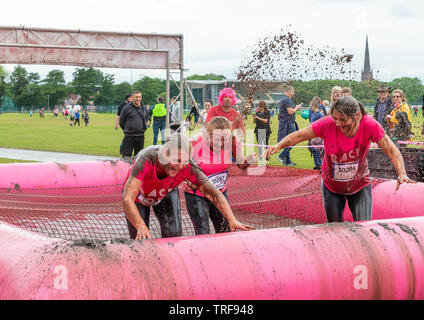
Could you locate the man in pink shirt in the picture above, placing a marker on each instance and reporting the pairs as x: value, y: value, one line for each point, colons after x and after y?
x: 347, y: 133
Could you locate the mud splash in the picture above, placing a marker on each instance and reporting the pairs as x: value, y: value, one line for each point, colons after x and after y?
x: 284, y: 57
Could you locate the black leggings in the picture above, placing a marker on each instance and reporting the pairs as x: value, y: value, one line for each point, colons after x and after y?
x: 200, y: 210
x: 360, y: 204
x: 168, y: 212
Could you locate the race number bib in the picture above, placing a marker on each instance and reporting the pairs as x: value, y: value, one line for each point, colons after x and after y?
x: 219, y: 180
x: 345, y: 171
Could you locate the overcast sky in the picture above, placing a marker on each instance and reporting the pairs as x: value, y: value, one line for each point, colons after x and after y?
x: 218, y: 33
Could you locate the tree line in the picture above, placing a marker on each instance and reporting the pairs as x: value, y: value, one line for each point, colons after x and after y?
x: 27, y: 89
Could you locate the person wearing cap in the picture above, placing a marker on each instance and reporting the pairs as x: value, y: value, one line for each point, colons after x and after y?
x: 383, y: 106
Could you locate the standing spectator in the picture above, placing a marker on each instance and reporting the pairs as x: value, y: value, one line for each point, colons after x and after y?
x: 77, y: 118
x: 86, y: 118
x: 286, y: 126
x: 326, y: 105
x: 204, y: 114
x: 320, y: 106
x: 346, y: 92
x: 174, y: 113
x: 262, y: 119
x: 400, y: 118
x: 128, y: 99
x: 335, y: 95
x: 72, y: 116
x: 133, y: 120
x: 383, y: 106
x: 314, y: 115
x: 42, y: 113
x: 196, y: 115
x: 422, y: 110
x: 415, y: 115
x: 159, y: 120
x: 227, y: 99
x: 56, y: 112
x: 66, y: 114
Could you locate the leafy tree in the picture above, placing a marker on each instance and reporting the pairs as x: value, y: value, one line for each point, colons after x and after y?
x: 150, y: 88
x: 55, y: 87
x: 208, y: 76
x: 121, y: 90
x: 18, y: 81
x: 85, y: 83
x: 3, y: 84
x: 106, y: 92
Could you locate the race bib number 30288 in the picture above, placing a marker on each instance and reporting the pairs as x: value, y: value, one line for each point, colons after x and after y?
x: 219, y: 180
x: 345, y: 171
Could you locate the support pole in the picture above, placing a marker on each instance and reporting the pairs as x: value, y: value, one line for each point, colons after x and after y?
x: 182, y: 81
x: 167, y: 130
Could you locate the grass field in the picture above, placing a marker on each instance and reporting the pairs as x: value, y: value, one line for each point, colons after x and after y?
x: 100, y: 138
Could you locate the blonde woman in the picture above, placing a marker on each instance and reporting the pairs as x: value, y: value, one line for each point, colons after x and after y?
x: 213, y: 151
x: 399, y: 119
x: 336, y: 93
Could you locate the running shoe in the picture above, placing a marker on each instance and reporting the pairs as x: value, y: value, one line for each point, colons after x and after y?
x: 283, y: 160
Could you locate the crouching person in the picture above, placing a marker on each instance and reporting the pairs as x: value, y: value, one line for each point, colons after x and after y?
x: 153, y: 181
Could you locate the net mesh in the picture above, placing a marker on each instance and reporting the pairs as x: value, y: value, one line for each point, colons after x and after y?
x: 280, y: 197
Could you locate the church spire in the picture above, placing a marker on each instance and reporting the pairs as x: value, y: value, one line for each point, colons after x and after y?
x: 367, y: 72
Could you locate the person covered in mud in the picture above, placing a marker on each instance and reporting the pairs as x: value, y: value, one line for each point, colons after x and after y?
x: 347, y: 133
x: 214, y: 151
x: 152, y: 181
x: 399, y: 119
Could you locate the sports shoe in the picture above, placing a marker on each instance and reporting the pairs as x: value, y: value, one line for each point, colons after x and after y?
x: 290, y: 164
x: 282, y: 160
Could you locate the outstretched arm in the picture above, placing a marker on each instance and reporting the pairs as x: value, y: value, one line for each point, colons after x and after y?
x: 291, y: 140
x: 393, y: 153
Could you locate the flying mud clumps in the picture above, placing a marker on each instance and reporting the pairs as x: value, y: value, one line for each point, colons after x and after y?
x: 285, y: 57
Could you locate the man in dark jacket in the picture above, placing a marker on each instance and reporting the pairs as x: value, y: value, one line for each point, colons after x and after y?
x: 383, y: 107
x: 286, y: 125
x: 133, y: 121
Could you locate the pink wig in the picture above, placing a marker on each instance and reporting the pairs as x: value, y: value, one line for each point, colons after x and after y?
x: 227, y: 92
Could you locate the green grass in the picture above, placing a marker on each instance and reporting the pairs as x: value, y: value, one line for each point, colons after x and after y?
x: 4, y: 160
x: 100, y: 138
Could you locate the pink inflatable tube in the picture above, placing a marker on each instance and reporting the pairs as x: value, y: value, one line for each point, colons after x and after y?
x: 375, y: 260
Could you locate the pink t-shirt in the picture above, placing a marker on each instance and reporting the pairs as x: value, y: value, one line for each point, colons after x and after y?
x: 345, y: 167
x: 214, y: 165
x: 232, y: 115
x: 153, y: 189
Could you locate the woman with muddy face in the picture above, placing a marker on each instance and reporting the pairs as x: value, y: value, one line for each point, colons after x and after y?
x: 213, y: 151
x: 347, y: 133
x: 153, y: 181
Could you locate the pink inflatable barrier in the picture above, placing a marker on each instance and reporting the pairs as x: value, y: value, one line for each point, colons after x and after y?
x: 372, y: 260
